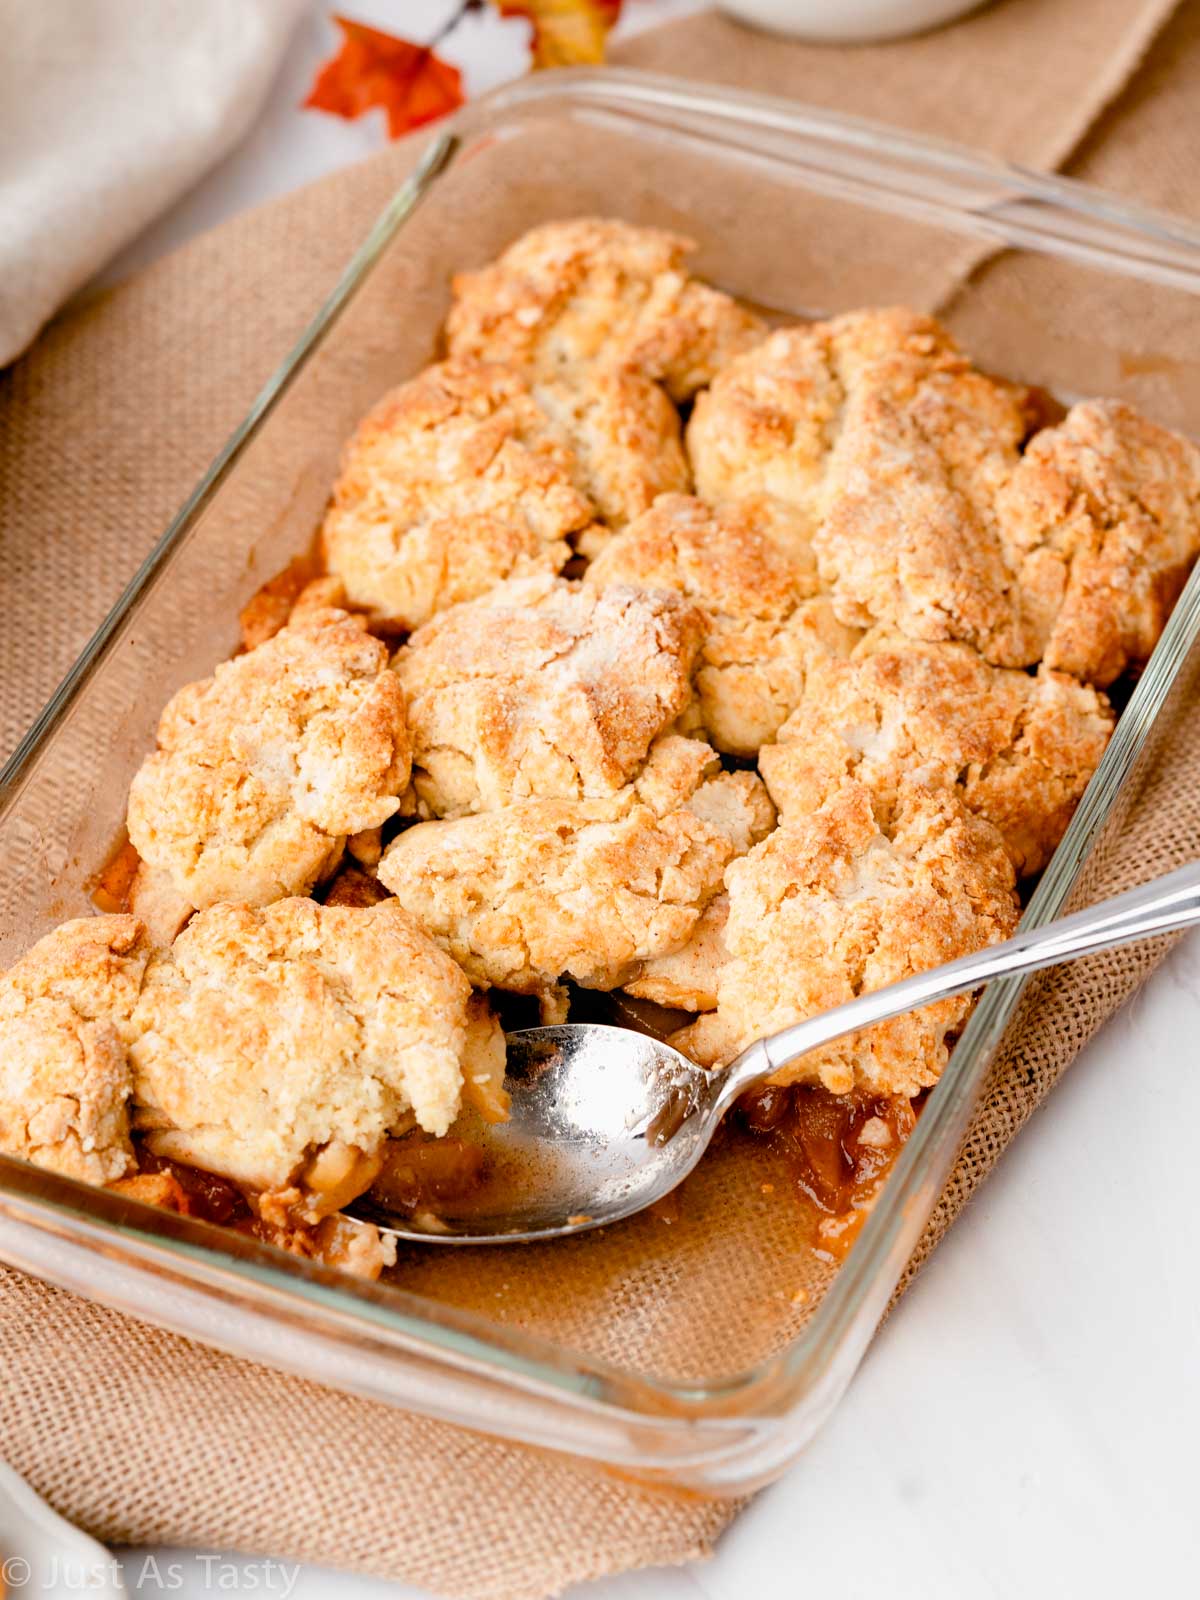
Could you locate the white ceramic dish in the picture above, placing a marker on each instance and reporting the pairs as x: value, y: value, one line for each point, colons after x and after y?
x: 848, y: 21
x: 42, y: 1554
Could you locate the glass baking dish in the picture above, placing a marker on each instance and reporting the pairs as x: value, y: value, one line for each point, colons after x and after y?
x: 627, y: 1361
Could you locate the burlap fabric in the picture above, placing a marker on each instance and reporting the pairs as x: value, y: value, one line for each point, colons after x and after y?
x: 141, y: 1436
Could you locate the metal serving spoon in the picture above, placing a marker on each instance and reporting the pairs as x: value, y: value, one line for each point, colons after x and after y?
x: 605, y: 1121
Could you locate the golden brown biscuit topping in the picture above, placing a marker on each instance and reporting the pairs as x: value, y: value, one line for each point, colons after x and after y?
x: 263, y: 1035
x: 1101, y: 520
x: 929, y: 513
x: 541, y: 688
x: 770, y: 422
x: 571, y: 295
x: 277, y: 1047
x: 64, y: 1078
x: 829, y: 906
x: 686, y: 979
x: 886, y: 449
x: 626, y: 445
x: 453, y: 482
x: 1017, y: 750
x: 737, y: 804
x: 724, y: 559
x: 265, y: 768
x: 588, y: 889
x: 763, y: 619
x: 264, y: 1060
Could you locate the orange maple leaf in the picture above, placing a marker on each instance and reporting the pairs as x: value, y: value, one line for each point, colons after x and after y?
x: 409, y: 82
x: 566, y: 33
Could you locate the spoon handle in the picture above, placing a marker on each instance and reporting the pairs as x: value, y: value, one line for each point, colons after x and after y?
x: 1160, y: 906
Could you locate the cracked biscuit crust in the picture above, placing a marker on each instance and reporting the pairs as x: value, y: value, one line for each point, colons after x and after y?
x: 721, y: 558
x: 466, y: 476
x: 548, y: 889
x: 263, y: 769
x: 686, y: 979
x: 762, y: 626
x: 887, y: 449
x: 909, y: 472
x: 1017, y: 750
x: 626, y: 445
x: 265, y: 1035
x: 738, y: 804
x: 1102, y: 523
x: 771, y: 419
x: 571, y: 295
x: 453, y: 482
x: 64, y: 1077
x: 828, y: 907
x: 543, y: 689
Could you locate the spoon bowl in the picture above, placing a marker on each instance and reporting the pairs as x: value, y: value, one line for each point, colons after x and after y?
x: 603, y: 1122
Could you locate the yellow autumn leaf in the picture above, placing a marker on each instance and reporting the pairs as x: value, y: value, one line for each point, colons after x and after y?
x: 566, y: 33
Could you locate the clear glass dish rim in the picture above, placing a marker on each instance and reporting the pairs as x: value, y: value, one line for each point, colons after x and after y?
x: 1015, y: 207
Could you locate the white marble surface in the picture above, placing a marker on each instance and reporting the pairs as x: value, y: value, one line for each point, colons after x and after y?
x: 1026, y: 1423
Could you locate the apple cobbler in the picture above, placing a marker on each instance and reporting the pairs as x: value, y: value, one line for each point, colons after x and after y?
x: 725, y: 671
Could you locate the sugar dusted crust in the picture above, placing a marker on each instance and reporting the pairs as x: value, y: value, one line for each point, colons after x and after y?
x: 64, y: 1087
x: 770, y: 421
x: 626, y: 445
x: 686, y: 979
x: 677, y: 769
x: 753, y: 673
x: 764, y: 620
x: 264, y: 1035
x: 549, y: 889
x: 737, y: 805
x: 453, y: 482
x: 557, y: 888
x: 543, y: 689
x: 64, y: 1078
x: 725, y: 559
x: 571, y: 295
x: 910, y: 535
x: 1102, y: 523
x: 830, y: 906
x: 264, y: 769
x: 94, y: 965
x: 277, y: 1048
x: 887, y: 449
x: 1017, y: 750
x: 932, y: 511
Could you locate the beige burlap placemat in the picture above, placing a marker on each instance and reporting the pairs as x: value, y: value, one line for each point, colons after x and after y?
x: 141, y: 1436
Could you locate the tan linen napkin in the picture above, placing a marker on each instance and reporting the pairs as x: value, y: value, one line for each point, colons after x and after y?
x: 109, y: 112
x: 144, y: 1437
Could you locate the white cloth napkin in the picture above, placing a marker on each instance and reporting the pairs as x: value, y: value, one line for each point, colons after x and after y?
x: 109, y: 110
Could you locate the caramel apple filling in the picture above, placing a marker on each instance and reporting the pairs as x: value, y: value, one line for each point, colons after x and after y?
x: 839, y: 1148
